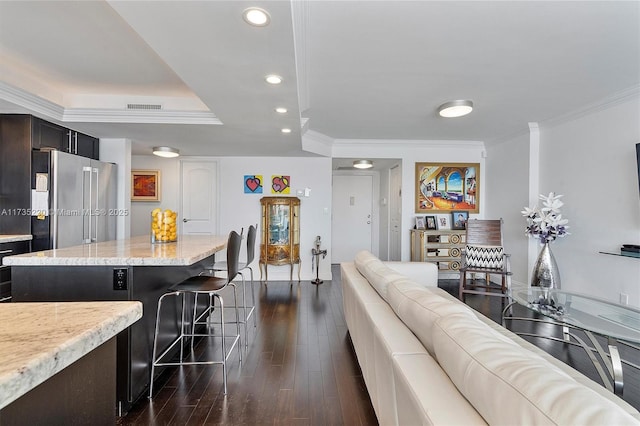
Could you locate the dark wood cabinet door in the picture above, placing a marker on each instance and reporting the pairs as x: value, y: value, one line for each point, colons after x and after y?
x: 85, y: 145
x: 49, y: 135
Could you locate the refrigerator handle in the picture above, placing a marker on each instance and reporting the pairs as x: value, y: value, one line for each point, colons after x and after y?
x: 69, y: 141
x: 86, y: 207
x: 75, y: 142
x: 96, y: 209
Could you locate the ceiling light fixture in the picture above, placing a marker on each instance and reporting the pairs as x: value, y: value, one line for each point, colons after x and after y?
x: 273, y: 79
x: 285, y: 130
x: 256, y: 17
x: 363, y: 164
x: 165, y: 151
x: 454, y: 109
x: 281, y: 110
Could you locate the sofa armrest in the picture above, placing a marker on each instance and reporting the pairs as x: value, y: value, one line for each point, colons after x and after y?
x: 423, y: 273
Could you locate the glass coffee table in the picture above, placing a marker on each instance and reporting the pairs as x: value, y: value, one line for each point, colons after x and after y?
x: 572, y: 311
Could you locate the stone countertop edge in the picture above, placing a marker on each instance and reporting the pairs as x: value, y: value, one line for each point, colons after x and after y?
x: 10, y: 238
x: 37, y: 340
x: 135, y: 251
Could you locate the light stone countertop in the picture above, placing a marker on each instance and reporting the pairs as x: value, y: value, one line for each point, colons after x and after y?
x: 10, y: 238
x: 37, y: 340
x: 135, y: 251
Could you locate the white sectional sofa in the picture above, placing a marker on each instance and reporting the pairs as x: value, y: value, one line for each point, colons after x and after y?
x: 428, y: 359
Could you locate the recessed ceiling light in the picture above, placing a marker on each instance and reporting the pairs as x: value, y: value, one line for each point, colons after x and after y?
x: 455, y: 108
x: 165, y: 151
x: 256, y: 17
x: 281, y: 110
x: 285, y: 130
x: 363, y: 164
x: 273, y: 79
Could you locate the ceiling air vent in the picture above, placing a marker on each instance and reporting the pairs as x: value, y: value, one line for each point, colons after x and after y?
x: 144, y: 107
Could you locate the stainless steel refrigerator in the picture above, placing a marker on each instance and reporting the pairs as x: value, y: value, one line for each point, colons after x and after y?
x: 80, y: 199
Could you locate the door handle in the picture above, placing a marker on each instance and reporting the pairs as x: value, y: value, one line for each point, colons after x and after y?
x: 185, y: 220
x: 368, y: 222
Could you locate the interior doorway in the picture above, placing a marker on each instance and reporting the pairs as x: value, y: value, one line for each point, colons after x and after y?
x: 352, y: 216
x: 395, y: 213
x: 199, y: 194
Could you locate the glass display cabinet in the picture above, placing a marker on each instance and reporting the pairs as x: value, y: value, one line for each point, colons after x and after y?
x: 280, y: 243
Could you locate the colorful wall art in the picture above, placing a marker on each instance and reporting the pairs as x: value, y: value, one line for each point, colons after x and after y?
x: 280, y: 184
x: 145, y: 185
x: 253, y: 184
x: 444, y: 187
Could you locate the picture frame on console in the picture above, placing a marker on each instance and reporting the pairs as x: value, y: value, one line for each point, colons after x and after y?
x: 443, y: 222
x: 420, y: 223
x: 431, y: 222
x: 459, y: 220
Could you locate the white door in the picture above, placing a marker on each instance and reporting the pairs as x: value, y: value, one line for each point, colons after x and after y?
x: 395, y: 212
x: 199, y: 189
x: 351, y: 219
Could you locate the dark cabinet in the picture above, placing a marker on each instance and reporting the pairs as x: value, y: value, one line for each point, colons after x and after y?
x: 48, y: 135
x: 9, y: 249
x: 80, y: 144
x: 83, y: 145
x: 20, y: 134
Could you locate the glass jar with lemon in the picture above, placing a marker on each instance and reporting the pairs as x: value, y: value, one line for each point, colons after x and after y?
x: 164, y: 226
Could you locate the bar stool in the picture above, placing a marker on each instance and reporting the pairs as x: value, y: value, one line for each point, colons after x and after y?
x: 210, y: 286
x: 222, y: 266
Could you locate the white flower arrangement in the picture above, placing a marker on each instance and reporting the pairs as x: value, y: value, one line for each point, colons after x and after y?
x: 546, y: 223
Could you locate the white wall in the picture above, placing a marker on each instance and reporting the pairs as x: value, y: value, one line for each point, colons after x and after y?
x: 169, y: 187
x: 591, y: 161
x: 118, y: 151
x: 383, y: 214
x: 238, y: 209
x: 506, y: 194
x: 411, y: 152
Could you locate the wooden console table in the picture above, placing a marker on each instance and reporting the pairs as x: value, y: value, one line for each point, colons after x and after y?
x: 441, y: 246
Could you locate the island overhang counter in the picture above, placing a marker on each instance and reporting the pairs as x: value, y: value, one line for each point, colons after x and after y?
x: 128, y: 269
x: 58, y: 361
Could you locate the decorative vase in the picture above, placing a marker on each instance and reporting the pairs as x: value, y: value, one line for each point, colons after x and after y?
x: 545, y: 271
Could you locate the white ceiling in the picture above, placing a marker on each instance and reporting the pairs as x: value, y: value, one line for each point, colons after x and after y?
x: 351, y: 69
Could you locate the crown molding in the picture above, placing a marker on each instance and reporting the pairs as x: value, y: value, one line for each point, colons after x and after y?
x: 24, y: 99
x: 606, y: 103
x: 43, y: 107
x: 409, y: 143
x: 97, y: 115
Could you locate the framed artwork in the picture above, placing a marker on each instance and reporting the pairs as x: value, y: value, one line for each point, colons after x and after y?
x: 145, y: 185
x: 253, y: 184
x: 445, y: 187
x: 431, y: 222
x: 443, y: 222
x: 459, y: 219
x: 280, y: 184
x: 420, y: 224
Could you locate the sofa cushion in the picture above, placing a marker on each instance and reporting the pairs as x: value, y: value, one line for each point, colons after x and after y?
x: 425, y: 395
x: 424, y: 273
x: 508, y: 384
x: 419, y: 308
x: 377, y: 273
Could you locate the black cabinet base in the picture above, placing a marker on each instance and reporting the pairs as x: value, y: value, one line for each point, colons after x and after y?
x: 84, y: 393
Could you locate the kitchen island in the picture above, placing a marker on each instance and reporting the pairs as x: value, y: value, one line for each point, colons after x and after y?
x: 120, y: 270
x: 58, y: 361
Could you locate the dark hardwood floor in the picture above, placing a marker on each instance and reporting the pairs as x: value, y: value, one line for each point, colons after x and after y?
x: 299, y: 367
